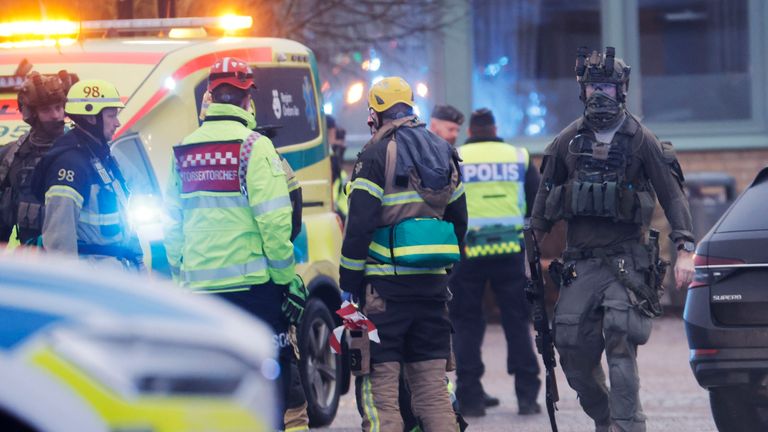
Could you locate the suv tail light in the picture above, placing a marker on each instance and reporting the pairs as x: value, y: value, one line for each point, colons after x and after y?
x: 709, y: 269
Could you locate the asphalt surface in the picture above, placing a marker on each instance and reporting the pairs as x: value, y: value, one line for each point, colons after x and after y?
x: 671, y: 398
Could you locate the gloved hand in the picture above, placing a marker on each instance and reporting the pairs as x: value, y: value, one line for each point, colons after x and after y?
x: 295, y: 299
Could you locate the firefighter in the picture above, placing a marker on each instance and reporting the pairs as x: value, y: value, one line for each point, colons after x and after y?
x: 407, y: 216
x: 229, y: 228
x: 82, y: 186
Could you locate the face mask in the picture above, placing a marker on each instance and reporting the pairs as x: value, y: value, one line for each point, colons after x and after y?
x: 601, y: 111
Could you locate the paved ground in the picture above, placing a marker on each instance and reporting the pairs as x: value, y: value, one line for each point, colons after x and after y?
x: 671, y: 398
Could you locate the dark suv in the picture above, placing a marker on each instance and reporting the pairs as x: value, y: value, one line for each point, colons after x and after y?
x: 726, y: 312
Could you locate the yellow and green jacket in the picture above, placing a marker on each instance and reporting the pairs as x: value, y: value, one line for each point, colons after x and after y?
x: 500, y: 185
x: 229, y: 212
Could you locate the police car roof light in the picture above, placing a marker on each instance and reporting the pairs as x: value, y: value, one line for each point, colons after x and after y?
x: 227, y: 23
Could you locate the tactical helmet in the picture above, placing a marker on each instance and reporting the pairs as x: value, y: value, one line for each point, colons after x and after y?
x: 604, y: 68
x: 89, y: 97
x: 232, y: 71
x: 389, y: 92
x: 39, y: 90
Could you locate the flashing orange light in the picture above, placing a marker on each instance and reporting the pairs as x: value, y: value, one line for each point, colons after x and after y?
x: 46, y: 28
x: 231, y: 23
x: 32, y: 43
x: 355, y: 93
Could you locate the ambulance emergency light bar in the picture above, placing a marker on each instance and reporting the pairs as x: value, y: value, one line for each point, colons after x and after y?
x: 21, y: 31
x: 227, y: 23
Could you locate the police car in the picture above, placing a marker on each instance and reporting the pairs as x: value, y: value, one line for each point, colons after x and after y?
x: 78, y: 353
x: 162, y: 80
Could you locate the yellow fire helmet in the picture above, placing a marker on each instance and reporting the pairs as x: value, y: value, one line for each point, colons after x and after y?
x: 388, y: 92
x: 89, y: 97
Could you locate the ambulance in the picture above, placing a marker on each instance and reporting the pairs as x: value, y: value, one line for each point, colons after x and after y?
x: 160, y: 68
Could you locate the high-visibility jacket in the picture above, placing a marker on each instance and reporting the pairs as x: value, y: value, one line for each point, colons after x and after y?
x: 494, y: 174
x: 229, y: 210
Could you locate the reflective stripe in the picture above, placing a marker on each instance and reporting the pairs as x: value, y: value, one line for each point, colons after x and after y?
x: 93, y: 99
x: 502, y: 220
x: 100, y: 219
x: 64, y: 191
x: 415, y: 250
x: 293, y: 184
x: 352, y: 264
x: 364, y: 184
x: 492, y: 249
x: 280, y: 264
x: 369, y: 407
x: 457, y: 193
x: 207, y: 201
x: 402, y: 198
x: 271, y: 205
x: 236, y: 270
x: 390, y: 270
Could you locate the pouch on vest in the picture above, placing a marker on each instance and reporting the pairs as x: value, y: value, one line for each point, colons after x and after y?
x: 416, y: 242
x: 492, y: 240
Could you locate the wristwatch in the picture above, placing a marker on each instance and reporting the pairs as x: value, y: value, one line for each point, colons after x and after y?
x: 687, y: 246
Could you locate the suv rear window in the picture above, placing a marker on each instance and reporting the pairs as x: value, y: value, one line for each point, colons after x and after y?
x: 285, y: 98
x: 747, y: 214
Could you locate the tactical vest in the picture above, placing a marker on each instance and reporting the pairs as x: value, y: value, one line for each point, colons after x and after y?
x: 607, y: 182
x: 18, y: 205
x: 493, y: 173
x: 413, y: 238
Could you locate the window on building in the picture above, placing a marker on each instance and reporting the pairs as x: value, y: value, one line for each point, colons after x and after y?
x: 524, y: 56
x: 694, y: 57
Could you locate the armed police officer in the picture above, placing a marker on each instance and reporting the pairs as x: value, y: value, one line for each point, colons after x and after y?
x: 407, y: 215
x: 229, y: 227
x: 83, y: 188
x: 500, y: 183
x: 41, y: 102
x: 602, y: 175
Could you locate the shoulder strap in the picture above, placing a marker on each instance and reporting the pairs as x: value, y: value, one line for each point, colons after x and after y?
x: 245, y: 155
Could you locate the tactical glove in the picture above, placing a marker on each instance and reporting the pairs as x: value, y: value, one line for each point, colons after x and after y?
x: 295, y: 299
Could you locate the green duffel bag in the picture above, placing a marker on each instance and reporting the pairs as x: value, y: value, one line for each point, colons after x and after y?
x: 493, y: 240
x: 416, y: 242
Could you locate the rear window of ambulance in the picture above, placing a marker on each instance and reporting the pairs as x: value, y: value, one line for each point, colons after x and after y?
x: 285, y: 98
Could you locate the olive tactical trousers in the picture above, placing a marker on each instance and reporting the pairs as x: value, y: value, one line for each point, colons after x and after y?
x: 593, y: 314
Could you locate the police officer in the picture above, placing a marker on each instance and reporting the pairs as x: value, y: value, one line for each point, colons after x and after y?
x: 84, y: 191
x: 407, y: 213
x: 339, y: 176
x: 602, y: 175
x: 500, y: 183
x: 229, y: 222
x: 445, y: 122
x: 41, y: 102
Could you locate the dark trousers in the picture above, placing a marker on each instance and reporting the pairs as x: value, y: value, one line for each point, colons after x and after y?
x: 265, y: 302
x: 506, y: 277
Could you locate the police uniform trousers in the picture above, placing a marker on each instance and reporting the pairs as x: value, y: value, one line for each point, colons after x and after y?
x: 506, y: 276
x: 415, y: 338
x: 594, y: 313
x: 265, y: 301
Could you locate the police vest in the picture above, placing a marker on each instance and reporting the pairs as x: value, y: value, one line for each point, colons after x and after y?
x: 18, y: 205
x: 493, y: 173
x: 605, y: 183
x: 413, y: 238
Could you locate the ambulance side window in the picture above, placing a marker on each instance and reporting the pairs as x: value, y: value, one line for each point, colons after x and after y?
x: 134, y: 163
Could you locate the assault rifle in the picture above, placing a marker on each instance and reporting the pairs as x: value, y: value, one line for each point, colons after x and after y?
x: 544, y: 341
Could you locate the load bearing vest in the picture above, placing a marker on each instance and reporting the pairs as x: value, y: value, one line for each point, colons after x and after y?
x: 493, y: 173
